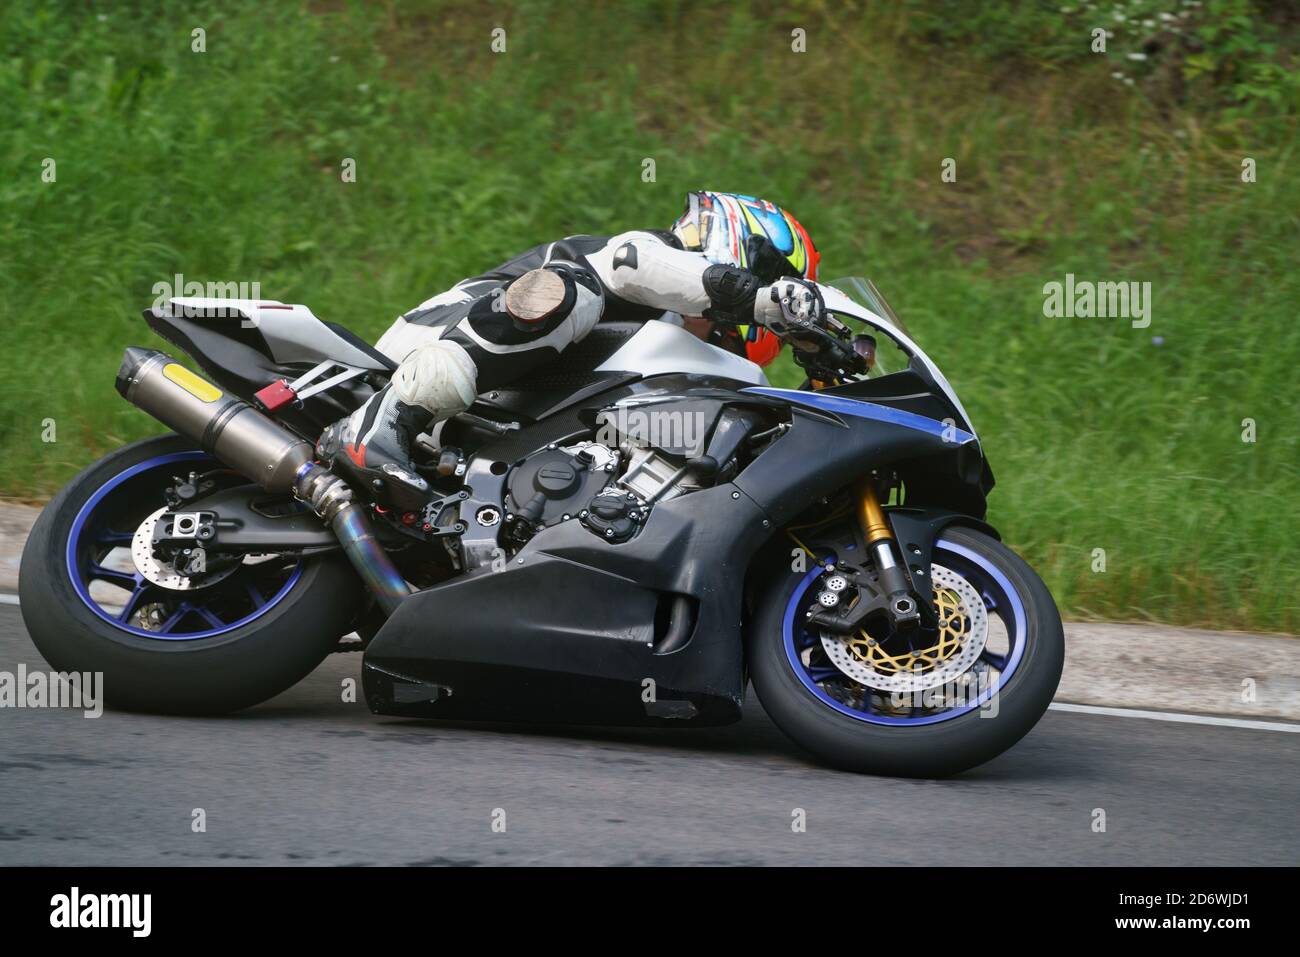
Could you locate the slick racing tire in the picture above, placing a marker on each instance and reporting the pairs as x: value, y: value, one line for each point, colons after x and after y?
x: 825, y: 711
x: 264, y: 625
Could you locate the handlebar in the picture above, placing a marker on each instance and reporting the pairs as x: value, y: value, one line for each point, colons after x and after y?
x: 823, y: 345
x: 827, y: 349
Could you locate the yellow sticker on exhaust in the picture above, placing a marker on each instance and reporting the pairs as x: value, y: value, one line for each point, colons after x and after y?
x: 196, y: 386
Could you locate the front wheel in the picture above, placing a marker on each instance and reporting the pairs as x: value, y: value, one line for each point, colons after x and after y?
x: 926, y: 705
x: 94, y: 599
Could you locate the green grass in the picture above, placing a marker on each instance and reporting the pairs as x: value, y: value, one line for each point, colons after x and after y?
x: 225, y: 166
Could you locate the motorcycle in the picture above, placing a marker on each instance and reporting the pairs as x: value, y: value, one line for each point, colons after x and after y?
x: 626, y: 537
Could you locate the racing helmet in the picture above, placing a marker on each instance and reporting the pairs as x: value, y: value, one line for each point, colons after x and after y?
x: 752, y: 233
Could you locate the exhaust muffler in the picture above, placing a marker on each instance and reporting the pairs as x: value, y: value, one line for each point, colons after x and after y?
x: 228, y: 428
x: 262, y: 449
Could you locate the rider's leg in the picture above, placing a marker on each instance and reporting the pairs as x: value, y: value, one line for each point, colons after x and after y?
x: 458, y: 345
x: 435, y: 381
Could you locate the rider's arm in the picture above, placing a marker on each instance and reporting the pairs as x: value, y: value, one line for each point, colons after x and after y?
x: 642, y: 268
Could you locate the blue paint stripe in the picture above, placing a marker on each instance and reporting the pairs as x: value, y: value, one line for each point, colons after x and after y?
x: 858, y: 408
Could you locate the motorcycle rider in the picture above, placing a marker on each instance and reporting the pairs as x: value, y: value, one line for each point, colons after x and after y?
x: 722, y: 272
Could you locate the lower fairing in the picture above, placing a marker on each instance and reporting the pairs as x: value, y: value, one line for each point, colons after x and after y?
x: 578, y: 630
x: 574, y: 630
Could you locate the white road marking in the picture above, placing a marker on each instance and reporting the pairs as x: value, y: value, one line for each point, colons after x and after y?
x: 8, y: 599
x: 1177, y: 717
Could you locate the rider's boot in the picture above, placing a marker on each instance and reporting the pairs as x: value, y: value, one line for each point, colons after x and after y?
x: 374, y: 444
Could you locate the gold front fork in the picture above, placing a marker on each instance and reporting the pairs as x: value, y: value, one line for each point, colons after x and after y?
x: 871, y: 517
x: 878, y: 536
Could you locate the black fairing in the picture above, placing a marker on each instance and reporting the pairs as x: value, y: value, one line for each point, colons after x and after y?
x: 824, y: 452
x: 570, y: 630
x: 912, y: 390
x: 573, y: 628
x: 567, y: 632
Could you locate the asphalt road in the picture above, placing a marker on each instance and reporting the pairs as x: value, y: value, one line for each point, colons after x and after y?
x: 309, y: 779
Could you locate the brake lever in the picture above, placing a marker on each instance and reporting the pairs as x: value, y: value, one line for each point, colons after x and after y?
x: 814, y: 326
x: 832, y: 354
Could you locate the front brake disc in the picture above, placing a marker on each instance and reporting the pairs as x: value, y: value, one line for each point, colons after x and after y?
x: 963, y: 633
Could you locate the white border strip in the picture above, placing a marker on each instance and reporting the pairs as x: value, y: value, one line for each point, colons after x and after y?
x: 6, y: 599
x: 1177, y: 717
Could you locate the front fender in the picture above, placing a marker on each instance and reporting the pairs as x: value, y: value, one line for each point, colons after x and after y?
x: 917, y: 529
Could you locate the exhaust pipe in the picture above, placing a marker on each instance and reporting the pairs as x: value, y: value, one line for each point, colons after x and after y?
x: 226, y: 427
x: 331, y: 498
x: 269, y: 454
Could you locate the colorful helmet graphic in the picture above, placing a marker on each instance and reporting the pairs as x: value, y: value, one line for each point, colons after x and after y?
x: 754, y: 234
x: 723, y: 226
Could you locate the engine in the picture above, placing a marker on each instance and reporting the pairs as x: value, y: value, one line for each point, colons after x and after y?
x: 611, y: 483
x: 555, y: 485
x: 608, y: 490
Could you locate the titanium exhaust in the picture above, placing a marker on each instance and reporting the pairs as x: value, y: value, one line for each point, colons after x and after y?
x: 262, y: 449
x: 331, y: 498
x: 226, y: 427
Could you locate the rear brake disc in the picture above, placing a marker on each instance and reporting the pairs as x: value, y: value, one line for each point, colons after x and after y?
x: 163, y: 574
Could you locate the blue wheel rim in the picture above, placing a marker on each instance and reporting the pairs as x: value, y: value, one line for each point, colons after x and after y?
x: 999, y: 595
x: 91, y: 532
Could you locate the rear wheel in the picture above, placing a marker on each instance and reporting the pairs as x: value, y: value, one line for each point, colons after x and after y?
x: 94, y: 600
x: 891, y: 704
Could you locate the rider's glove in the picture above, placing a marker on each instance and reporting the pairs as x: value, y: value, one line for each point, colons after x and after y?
x: 788, y: 306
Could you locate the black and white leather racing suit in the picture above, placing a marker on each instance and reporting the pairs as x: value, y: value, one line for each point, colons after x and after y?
x: 633, y: 276
x: 465, y: 341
